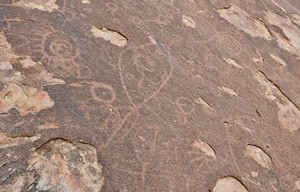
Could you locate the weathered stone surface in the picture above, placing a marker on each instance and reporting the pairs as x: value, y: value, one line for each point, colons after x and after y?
x: 60, y: 166
x: 173, y: 95
x: 229, y: 184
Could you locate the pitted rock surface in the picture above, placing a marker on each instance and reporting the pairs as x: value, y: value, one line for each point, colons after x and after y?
x: 170, y: 95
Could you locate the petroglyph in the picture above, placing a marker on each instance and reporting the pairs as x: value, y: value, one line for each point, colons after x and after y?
x: 102, y: 92
x: 112, y: 36
x: 9, y: 141
x: 144, y: 82
x: 259, y: 155
x: 99, y: 91
x: 205, y: 148
x: 229, y: 43
x: 288, y: 111
x: 54, y: 49
x: 243, y: 21
x: 187, y: 20
x: 61, y: 53
x: 23, y: 81
x: 233, y: 63
x: 43, y: 5
x: 229, y: 184
x: 185, y: 105
x: 150, y: 69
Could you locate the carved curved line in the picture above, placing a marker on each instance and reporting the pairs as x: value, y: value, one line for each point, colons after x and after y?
x: 122, y: 77
x: 134, y: 109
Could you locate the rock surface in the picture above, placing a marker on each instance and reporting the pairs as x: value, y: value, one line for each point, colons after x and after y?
x: 163, y: 95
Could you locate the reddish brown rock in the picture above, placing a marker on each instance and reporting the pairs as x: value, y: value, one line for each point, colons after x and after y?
x: 60, y: 166
x: 172, y: 95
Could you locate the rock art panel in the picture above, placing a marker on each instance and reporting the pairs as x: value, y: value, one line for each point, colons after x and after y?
x: 185, y: 105
x: 144, y: 82
x: 229, y: 184
x: 229, y: 43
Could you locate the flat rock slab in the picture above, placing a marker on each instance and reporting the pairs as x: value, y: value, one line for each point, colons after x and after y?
x: 179, y: 95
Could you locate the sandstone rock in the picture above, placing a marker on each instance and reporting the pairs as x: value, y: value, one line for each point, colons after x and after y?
x: 60, y: 165
x: 172, y: 95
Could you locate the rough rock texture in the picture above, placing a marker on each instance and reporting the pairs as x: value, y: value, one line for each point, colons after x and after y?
x: 163, y: 95
x: 60, y: 166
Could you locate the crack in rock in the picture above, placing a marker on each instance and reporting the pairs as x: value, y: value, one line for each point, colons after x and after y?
x: 289, y: 29
x: 243, y: 21
x: 112, y: 36
x: 288, y: 111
